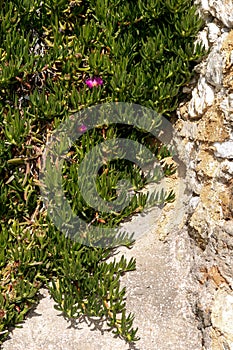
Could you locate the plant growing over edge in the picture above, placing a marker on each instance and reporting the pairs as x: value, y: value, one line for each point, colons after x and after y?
x: 57, y: 58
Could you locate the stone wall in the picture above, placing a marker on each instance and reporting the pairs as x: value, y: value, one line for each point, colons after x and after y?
x: 205, y: 141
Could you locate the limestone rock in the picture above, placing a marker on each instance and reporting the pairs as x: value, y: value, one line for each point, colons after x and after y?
x: 227, y: 169
x: 220, y: 9
x: 205, y: 133
x: 222, y: 314
x: 224, y: 149
x: 226, y: 106
x: 213, y: 32
x: 214, y: 69
x: 203, y: 38
x: 210, y: 80
x: 207, y: 165
x: 202, y: 97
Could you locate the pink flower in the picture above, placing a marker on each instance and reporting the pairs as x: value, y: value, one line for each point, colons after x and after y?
x: 95, y: 81
x: 82, y: 128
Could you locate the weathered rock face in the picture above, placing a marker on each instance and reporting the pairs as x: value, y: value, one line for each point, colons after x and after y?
x: 205, y: 139
x: 218, y: 9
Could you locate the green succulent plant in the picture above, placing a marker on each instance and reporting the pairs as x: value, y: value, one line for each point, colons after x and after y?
x: 58, y: 57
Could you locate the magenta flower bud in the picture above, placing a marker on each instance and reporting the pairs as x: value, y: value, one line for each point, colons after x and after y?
x: 82, y: 128
x: 95, y: 81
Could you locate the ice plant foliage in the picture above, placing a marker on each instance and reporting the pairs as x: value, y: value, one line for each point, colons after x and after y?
x: 95, y: 81
x: 137, y: 51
